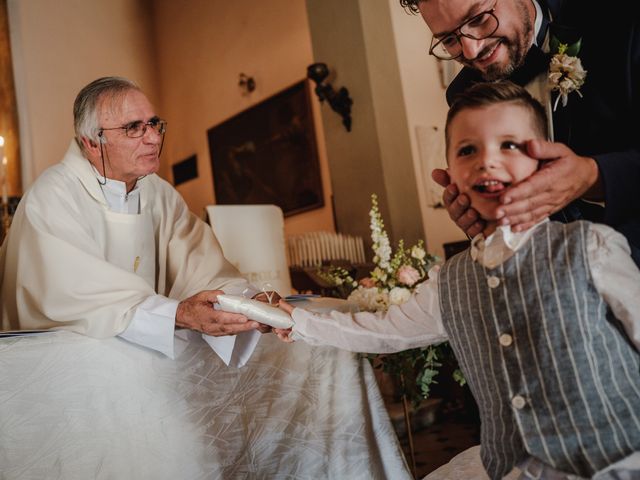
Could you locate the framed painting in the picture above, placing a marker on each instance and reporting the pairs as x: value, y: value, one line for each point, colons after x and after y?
x: 268, y: 154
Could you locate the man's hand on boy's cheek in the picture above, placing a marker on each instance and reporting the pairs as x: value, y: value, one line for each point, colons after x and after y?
x: 562, y: 178
x: 458, y: 205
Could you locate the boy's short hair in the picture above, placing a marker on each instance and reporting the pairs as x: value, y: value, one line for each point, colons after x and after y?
x: 491, y: 93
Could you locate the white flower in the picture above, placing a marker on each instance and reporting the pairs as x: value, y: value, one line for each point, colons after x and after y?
x: 566, y: 75
x: 381, y: 246
x: 379, y: 275
x: 418, y: 253
x: 370, y: 299
x: 399, y: 295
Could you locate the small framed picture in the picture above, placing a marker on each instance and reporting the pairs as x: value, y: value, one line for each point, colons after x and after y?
x: 448, y: 69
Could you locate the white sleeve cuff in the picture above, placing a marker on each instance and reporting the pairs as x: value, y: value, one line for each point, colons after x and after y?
x: 234, y: 350
x: 153, y: 325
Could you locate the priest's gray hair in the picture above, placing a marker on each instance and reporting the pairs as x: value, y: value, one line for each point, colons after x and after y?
x: 90, y: 99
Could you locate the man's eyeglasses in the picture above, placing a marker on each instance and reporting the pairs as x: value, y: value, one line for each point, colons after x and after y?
x: 138, y: 128
x: 478, y: 27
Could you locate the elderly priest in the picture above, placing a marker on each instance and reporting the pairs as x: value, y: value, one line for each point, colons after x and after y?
x: 102, y: 246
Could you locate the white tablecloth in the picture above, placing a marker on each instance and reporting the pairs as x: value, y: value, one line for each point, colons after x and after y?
x: 73, y: 407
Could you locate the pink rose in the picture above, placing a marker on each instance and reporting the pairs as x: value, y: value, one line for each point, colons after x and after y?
x: 408, y: 275
x: 367, y: 282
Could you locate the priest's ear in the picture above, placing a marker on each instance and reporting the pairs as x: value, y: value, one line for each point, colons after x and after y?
x: 91, y: 146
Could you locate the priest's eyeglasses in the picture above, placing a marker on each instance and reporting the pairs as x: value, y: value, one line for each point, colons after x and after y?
x: 478, y: 27
x: 138, y: 128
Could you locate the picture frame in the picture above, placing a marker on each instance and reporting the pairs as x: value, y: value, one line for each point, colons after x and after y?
x: 268, y: 154
x: 447, y: 70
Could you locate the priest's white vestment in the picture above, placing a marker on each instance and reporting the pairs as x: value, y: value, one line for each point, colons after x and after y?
x: 71, y: 263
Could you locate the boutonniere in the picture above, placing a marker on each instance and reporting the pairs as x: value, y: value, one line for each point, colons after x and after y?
x: 566, y: 73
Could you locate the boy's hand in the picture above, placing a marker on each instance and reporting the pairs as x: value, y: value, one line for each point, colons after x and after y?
x: 271, y: 297
x: 283, y: 333
x: 458, y: 205
x: 286, y: 306
x: 563, y: 177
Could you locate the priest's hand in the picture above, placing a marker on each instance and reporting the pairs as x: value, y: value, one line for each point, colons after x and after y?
x: 562, y: 178
x: 197, y: 313
x: 458, y: 205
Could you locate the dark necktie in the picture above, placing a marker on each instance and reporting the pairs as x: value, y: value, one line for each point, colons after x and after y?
x: 535, y: 63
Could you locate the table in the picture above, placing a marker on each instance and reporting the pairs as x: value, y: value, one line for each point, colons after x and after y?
x: 76, y: 407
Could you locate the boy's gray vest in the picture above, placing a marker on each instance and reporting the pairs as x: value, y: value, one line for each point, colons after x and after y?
x: 552, y: 372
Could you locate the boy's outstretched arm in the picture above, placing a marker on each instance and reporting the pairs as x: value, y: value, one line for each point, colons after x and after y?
x: 416, y: 323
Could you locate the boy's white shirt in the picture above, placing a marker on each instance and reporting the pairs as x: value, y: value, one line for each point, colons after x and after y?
x: 153, y: 323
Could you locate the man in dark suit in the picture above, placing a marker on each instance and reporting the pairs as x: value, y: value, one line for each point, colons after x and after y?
x: 595, y: 161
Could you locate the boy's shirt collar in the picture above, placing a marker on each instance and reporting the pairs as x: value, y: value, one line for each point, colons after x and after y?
x: 498, y: 247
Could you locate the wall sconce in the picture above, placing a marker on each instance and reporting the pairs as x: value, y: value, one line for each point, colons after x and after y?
x: 247, y: 84
x: 339, y: 101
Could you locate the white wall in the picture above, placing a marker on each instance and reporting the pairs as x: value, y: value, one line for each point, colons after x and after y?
x: 204, y: 46
x: 425, y: 105
x: 355, y: 39
x: 60, y: 46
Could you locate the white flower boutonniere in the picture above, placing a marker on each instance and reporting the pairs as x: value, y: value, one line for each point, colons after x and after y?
x: 566, y: 74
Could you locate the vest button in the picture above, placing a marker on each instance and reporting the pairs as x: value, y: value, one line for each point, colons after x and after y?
x: 505, y: 340
x: 493, y: 282
x: 518, y: 402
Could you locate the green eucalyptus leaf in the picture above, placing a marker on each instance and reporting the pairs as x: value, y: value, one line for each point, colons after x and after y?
x: 458, y: 376
x: 573, y: 49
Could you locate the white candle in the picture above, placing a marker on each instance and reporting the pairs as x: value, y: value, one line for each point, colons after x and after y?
x: 5, y: 193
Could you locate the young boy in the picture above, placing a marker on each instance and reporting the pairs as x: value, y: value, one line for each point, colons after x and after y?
x: 544, y: 323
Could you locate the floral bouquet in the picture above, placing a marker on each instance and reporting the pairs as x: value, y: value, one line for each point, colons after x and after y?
x: 392, y: 282
x: 566, y: 73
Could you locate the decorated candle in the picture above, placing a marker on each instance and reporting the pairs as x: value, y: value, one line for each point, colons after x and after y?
x: 5, y: 192
x: 3, y: 171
